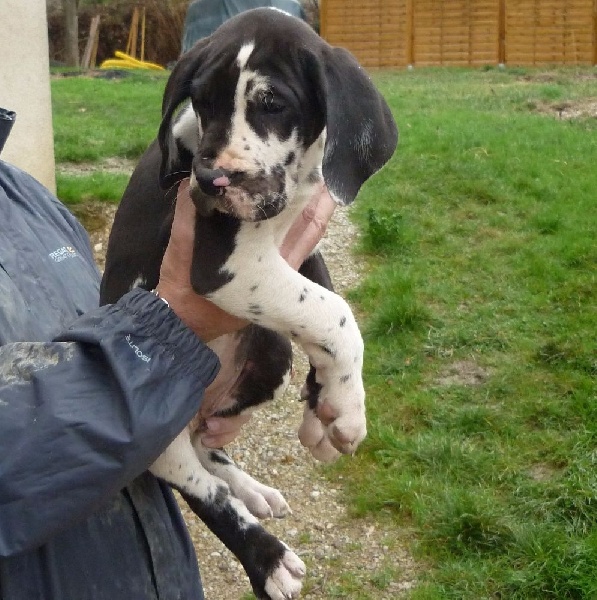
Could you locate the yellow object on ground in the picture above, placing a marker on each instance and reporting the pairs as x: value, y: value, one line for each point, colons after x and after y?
x: 124, y: 61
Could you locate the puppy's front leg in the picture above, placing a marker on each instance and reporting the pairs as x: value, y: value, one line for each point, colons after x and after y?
x: 275, y: 571
x: 258, y: 285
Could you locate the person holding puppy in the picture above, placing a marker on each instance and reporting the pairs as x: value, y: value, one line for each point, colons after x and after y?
x: 89, y: 398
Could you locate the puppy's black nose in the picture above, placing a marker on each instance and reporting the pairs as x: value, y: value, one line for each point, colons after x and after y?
x: 212, y: 181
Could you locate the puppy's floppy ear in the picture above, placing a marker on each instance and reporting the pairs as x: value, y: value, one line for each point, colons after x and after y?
x: 175, y: 166
x: 361, y: 132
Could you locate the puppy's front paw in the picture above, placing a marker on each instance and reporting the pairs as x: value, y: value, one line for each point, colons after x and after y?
x: 330, y: 429
x: 312, y: 435
x: 347, y: 431
x: 286, y: 581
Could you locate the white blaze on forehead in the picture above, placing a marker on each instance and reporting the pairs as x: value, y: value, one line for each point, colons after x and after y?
x: 243, y: 55
x: 187, y: 129
x: 250, y: 84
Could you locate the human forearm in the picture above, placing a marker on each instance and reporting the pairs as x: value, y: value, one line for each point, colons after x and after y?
x: 82, y: 417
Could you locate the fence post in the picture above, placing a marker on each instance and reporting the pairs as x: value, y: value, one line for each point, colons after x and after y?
x: 502, y: 32
x: 323, y: 21
x: 595, y: 32
x: 410, y: 33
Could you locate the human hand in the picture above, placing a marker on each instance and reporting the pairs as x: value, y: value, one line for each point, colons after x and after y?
x: 308, y: 229
x: 199, y: 314
x: 222, y: 430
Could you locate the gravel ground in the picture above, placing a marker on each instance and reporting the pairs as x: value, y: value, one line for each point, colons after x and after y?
x: 345, y: 557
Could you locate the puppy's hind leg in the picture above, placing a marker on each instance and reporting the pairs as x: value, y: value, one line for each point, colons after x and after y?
x: 261, y: 500
x: 275, y: 572
x: 267, y: 364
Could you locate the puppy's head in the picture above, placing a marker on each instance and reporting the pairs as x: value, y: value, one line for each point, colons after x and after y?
x: 273, y: 110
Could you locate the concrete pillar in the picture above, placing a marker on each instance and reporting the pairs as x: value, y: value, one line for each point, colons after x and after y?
x: 25, y: 88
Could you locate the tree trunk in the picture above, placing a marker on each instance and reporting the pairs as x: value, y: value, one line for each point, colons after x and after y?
x: 71, y: 32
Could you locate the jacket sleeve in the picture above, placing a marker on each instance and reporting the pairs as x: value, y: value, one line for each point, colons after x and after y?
x: 82, y: 416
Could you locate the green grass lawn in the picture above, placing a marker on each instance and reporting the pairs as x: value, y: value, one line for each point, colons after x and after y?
x: 480, y: 318
x: 97, y: 119
x: 479, y: 312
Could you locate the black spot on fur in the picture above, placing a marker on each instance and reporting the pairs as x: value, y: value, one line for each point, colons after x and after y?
x: 222, y: 495
x: 342, y: 321
x: 289, y: 159
x: 329, y: 351
x: 345, y: 378
x: 266, y: 358
x: 220, y: 457
x: 314, y: 176
x: 259, y: 551
x: 215, y: 241
x: 255, y: 309
x: 253, y: 288
x: 313, y: 388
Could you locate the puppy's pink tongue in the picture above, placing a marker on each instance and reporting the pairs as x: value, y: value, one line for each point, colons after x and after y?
x: 222, y: 181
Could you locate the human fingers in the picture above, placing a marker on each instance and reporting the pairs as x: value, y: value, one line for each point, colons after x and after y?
x: 308, y: 229
x: 222, y: 430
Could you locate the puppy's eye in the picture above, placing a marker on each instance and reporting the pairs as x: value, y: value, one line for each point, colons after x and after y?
x: 269, y: 104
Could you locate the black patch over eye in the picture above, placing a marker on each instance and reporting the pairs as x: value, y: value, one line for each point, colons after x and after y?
x: 269, y: 104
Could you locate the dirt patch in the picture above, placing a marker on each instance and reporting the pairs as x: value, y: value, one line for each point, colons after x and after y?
x: 108, y: 165
x: 558, y: 75
x: 543, y: 472
x: 97, y: 218
x: 567, y: 109
x: 463, y: 372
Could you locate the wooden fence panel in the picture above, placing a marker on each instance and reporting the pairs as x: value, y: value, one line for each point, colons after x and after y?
x: 455, y: 32
x: 394, y: 33
x: 374, y: 31
x: 550, y: 32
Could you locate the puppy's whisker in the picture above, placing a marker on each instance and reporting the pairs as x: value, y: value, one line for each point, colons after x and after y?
x: 185, y: 172
x: 177, y: 182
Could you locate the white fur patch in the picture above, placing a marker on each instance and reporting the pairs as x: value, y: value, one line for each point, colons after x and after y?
x: 187, y: 129
x: 261, y: 500
x: 140, y: 281
x: 285, y: 582
x: 312, y: 315
x: 243, y: 55
x: 180, y: 466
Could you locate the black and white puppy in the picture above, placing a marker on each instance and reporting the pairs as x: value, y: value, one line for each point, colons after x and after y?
x: 259, y: 115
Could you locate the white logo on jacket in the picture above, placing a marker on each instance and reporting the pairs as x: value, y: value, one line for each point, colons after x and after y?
x: 136, y: 349
x: 63, y: 253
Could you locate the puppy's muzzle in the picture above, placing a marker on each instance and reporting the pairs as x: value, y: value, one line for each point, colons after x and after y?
x: 212, y: 181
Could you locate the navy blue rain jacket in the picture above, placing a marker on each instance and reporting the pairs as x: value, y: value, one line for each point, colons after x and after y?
x: 89, y: 397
